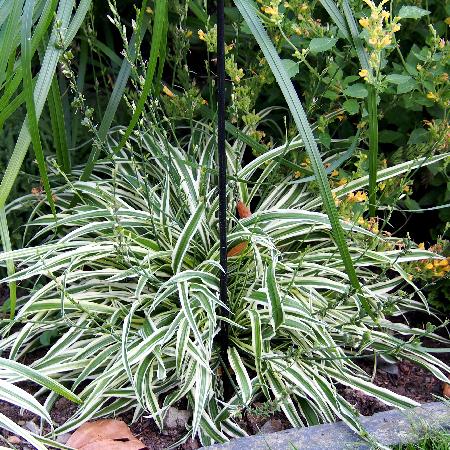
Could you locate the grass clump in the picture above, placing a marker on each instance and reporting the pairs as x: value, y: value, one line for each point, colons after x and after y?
x: 439, y: 440
x: 129, y: 280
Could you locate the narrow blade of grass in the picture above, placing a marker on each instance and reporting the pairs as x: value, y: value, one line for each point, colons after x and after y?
x: 373, y: 149
x: 58, y: 127
x: 7, y: 43
x: 6, y: 243
x: 27, y: 20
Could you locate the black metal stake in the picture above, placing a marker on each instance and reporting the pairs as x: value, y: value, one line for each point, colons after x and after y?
x: 222, y: 170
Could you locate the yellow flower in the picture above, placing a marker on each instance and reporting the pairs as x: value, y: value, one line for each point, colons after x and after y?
x: 429, y: 266
x: 410, y: 277
x: 364, y: 22
x: 201, y: 35
x: 385, y: 14
x: 443, y: 263
x: 364, y: 73
x: 447, y: 21
x: 335, y: 173
x: 304, y: 7
x: 406, y: 189
x: 297, y: 174
x: 432, y: 96
x: 422, y: 246
x: 337, y: 201
x: 361, y: 196
x: 188, y: 33
x: 149, y: 10
x: 342, y: 181
x: 396, y: 27
x: 361, y: 221
x: 386, y: 41
x: 273, y: 11
x: 168, y: 92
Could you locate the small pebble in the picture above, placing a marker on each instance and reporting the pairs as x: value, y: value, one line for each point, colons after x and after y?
x: 272, y: 426
x: 63, y: 438
x: 31, y: 426
x: 14, y: 440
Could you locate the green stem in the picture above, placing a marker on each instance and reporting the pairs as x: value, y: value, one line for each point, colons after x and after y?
x: 373, y: 148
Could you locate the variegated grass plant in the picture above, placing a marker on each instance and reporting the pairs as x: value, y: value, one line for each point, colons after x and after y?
x: 128, y: 278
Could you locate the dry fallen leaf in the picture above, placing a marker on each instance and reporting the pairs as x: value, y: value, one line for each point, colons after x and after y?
x: 111, y: 444
x: 243, y: 210
x: 104, y: 434
x: 446, y: 390
x: 237, y: 249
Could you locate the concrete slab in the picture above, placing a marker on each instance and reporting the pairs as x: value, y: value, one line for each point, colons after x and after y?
x: 389, y: 428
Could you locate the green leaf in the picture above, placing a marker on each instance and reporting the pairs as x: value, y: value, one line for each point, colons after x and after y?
x: 291, y: 67
x: 275, y: 307
x: 319, y: 45
x: 185, y: 238
x: 7, y: 423
x: 396, y: 78
x: 351, y: 106
x: 408, y: 86
x: 412, y: 12
x: 418, y: 136
x: 33, y: 375
x: 372, y: 110
x: 33, y: 126
x: 242, y: 378
x: 10, y: 268
x: 357, y: 90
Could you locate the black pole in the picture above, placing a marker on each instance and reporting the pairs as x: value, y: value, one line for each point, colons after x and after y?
x: 222, y: 169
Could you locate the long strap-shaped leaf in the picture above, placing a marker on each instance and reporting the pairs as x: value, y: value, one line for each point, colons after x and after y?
x: 54, y: 50
x: 6, y: 243
x: 159, y: 26
x: 8, y: 35
x: 33, y: 127
x: 58, y: 127
x: 248, y: 11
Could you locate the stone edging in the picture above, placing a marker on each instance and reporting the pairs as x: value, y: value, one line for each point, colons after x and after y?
x: 388, y: 428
